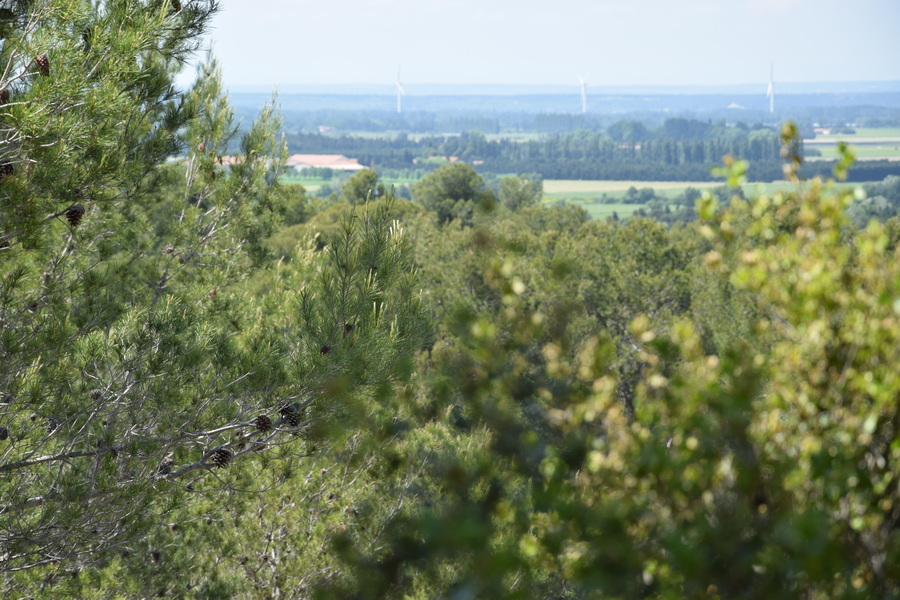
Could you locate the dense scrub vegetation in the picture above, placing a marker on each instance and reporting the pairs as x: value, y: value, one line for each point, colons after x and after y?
x: 216, y: 387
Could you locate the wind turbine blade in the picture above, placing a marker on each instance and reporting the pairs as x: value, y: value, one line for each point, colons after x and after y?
x: 583, y: 82
x: 400, y: 89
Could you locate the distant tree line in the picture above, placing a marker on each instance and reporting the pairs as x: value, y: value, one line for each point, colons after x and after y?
x: 678, y: 150
x: 451, y: 119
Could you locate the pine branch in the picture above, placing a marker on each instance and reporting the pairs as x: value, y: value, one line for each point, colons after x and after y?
x: 168, y: 441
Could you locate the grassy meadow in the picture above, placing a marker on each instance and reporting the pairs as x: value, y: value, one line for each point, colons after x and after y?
x: 588, y: 194
x: 867, y: 143
x: 585, y: 190
x: 864, y: 132
x: 603, y: 211
x: 866, y: 151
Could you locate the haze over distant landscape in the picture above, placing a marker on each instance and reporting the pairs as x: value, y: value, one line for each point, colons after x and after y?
x: 317, y: 45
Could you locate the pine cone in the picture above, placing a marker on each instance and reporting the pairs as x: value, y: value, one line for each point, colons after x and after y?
x: 4, y: 96
x: 165, y: 467
x: 95, y: 394
x: 348, y: 328
x: 291, y: 415
x: 74, y: 214
x: 6, y: 169
x: 221, y: 457
x: 176, y: 5
x: 43, y: 64
x: 263, y: 423
x: 4, y: 433
x: 325, y: 349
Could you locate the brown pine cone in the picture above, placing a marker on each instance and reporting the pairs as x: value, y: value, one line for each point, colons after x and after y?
x: 74, y: 214
x: 43, y: 64
x: 221, y: 457
x: 263, y: 423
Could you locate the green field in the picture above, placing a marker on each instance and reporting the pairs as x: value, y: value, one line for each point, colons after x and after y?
x: 869, y: 132
x: 603, y: 211
x: 312, y: 184
x: 585, y: 190
x: 587, y: 194
x: 590, y: 191
x: 864, y: 151
x: 598, y: 198
x: 573, y: 186
x: 867, y: 144
x: 593, y: 191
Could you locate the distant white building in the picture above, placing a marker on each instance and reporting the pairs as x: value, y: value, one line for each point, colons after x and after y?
x: 338, y: 162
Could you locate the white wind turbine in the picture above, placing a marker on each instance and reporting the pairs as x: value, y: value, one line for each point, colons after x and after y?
x: 583, y: 94
x: 770, y: 93
x: 400, y: 91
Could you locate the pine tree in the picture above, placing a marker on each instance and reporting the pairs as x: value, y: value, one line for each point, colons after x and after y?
x: 148, y: 346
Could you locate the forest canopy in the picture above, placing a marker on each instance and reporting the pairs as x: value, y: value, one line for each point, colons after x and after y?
x: 213, y: 385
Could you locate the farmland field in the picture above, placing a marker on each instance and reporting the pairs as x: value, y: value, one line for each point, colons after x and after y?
x: 569, y: 186
x: 864, y: 132
x: 601, y: 199
x: 867, y: 144
x: 555, y: 189
x: 752, y: 190
x: 312, y: 184
x: 587, y: 194
x: 588, y: 191
x: 868, y: 151
x: 603, y: 211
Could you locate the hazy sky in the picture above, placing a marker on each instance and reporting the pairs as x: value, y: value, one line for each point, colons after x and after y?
x: 610, y: 42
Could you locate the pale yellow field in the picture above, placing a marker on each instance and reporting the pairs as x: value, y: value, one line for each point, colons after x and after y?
x: 570, y: 186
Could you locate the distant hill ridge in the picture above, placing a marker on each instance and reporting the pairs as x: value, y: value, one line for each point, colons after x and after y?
x: 440, y: 89
x: 570, y: 102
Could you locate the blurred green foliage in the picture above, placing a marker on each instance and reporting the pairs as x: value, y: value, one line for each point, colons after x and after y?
x: 699, y: 412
